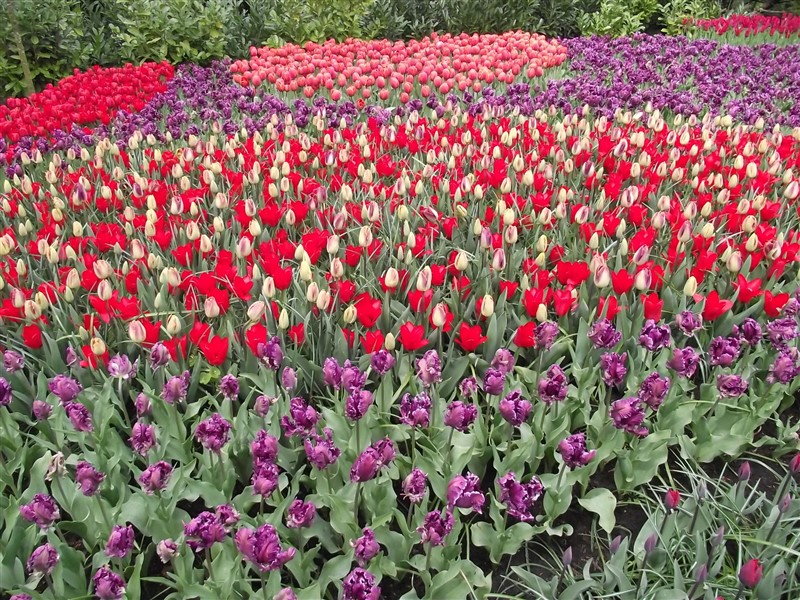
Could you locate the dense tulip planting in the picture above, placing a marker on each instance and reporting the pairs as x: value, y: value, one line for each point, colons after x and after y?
x: 311, y: 361
x: 756, y: 28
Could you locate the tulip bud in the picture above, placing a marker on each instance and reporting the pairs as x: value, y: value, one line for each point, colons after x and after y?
x: 211, y: 308
x: 439, y: 315
x: 97, y: 346
x: 305, y: 271
x: 643, y: 280
x: 461, y: 261
x: 541, y: 313
x: 690, y: 287
x: 424, y: 279
x: 391, y: 278
x: 312, y: 292
x: 734, y: 263
x: 350, y: 314
x: 323, y: 300
x: 750, y: 574
x: 602, y: 277
x: 792, y: 191
x: 332, y: 245
x: 487, y: 306
x: 499, y: 259
x: 137, y: 332
x: 389, y: 341
x: 510, y: 235
x: 256, y: 310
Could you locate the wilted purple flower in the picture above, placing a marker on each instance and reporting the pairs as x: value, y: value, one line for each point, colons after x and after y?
x: 684, y: 361
x: 285, y: 594
x: 514, y: 408
x: 784, y: 367
x: 167, y: 550
x: 214, y: 432
x: 653, y: 390
x: 352, y: 377
x: 371, y: 460
x: 688, y: 322
x: 143, y: 437
x: 142, y: 405
x: 229, y: 386
x: 613, y: 366
x: 42, y: 510
x: 176, y: 388
x: 545, y: 335
x: 724, y: 351
x: 730, y: 386
x: 366, y: 547
x: 301, y: 420
x: 108, y: 585
x: 262, y: 404
x: 204, y: 531
x: 265, y: 479
x: 468, y: 387
x: 13, y: 361
x: 553, y: 386
x: 43, y: 560
x: 494, y: 380
x: 429, y: 368
x: 653, y: 336
x: 79, y: 416
x: 435, y: 527
x: 321, y: 451
x: 357, y: 404
x: 155, y: 477
x: 519, y: 497
x: 383, y: 361
x: 300, y: 514
x: 66, y: 388
x: 573, y: 451
x: 264, y: 448
x: 159, y: 356
x: 120, y: 541
x: 503, y: 360
x: 70, y: 357
x: 749, y: 332
x: 781, y: 331
x: 88, y: 478
x: 121, y: 367
x: 627, y: 414
x: 41, y: 410
x: 603, y: 334
x: 460, y: 416
x: 415, y: 485
x: 262, y: 547
x: 360, y: 585
x: 332, y: 373
x: 415, y: 411
x: 271, y: 353
x: 465, y: 492
x: 288, y: 378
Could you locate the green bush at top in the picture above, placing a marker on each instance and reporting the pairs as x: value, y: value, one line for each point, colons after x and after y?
x: 674, y: 12
x: 618, y: 17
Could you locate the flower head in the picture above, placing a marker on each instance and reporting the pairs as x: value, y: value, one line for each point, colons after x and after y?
x: 436, y: 526
x: 155, y: 477
x: 262, y: 547
x: 108, y: 585
x: 332, y: 373
x: 42, y: 510
x: 415, y: 411
x: 519, y: 498
x: 613, y: 367
x: 300, y: 514
x: 653, y: 336
x: 684, y: 361
x: 370, y: 461
x: 366, y: 547
x: 429, y: 368
x: 603, y: 334
x: 159, y: 356
x: 13, y: 361
x: 353, y: 379
x: 460, y: 416
x: 573, y: 451
x: 120, y: 541
x: 204, y: 531
x: 214, y: 432
x: 357, y: 404
x: 382, y: 361
x: 724, y: 351
x: 730, y: 386
x: 465, y: 492
x: 271, y: 353
x: 320, y: 449
x: 514, y: 408
x: 653, y: 390
x: 360, y: 585
x: 229, y: 386
x: 143, y: 437
x: 494, y: 380
x: 468, y: 387
x: 750, y: 574
x: 546, y: 334
x: 302, y: 418
x: 176, y: 388
x: 503, y: 360
x: 415, y: 485
x: 288, y: 378
x: 627, y: 414
x: 121, y: 367
x: 553, y: 386
x: 167, y: 550
x: 66, y: 388
x: 688, y: 322
x: 88, y: 478
x: 43, y: 559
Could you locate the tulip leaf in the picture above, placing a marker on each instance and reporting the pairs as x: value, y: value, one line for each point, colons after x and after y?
x: 603, y: 503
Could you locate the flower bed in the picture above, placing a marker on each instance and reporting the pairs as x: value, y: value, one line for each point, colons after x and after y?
x: 329, y: 358
x: 754, y: 28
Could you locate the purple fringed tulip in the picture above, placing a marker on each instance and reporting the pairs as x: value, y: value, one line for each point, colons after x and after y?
x: 167, y: 550
x: 429, y: 368
x: 749, y: 332
x: 689, y: 322
x: 465, y: 492
x: 176, y: 388
x: 653, y: 336
x: 288, y: 379
x: 262, y: 404
x: 159, y: 356
x: 514, y: 408
x: 730, y: 386
x: 155, y: 477
x: 262, y: 548
x: 264, y: 448
x: 460, y: 416
x: 415, y: 485
x: 108, y: 585
x: 784, y: 367
x: 265, y: 479
x: 142, y: 405
x: 229, y: 386
x: 684, y: 361
x: 143, y: 438
x: 603, y: 334
x: 782, y: 331
x: 204, y: 531
x: 332, y: 373
x: 65, y: 388
x: 300, y: 514
x: 214, y: 432
x: 357, y: 404
x: 43, y: 560
x: 382, y: 362
x: 79, y: 416
x: 41, y: 410
x: 42, y: 510
x: 627, y: 414
x: 415, y: 411
x: 503, y: 361
x: 370, y: 461
x: 120, y: 541
x: 518, y: 497
x: 13, y: 361
x: 724, y: 351
x: 353, y: 379
x: 436, y: 526
x: 301, y: 420
x: 121, y: 367
x: 468, y: 387
x: 653, y: 390
x: 494, y: 380
x: 365, y: 547
x: 321, y: 451
x: 360, y: 585
x: 613, y: 367
x: 573, y: 451
x: 227, y: 515
x: 545, y: 335
x: 285, y: 594
x: 553, y: 386
x: 88, y: 478
x: 271, y: 353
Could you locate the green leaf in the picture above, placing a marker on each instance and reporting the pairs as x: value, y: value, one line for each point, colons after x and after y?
x: 603, y: 503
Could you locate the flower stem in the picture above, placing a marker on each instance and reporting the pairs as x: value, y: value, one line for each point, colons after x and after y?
x: 104, y: 512
x: 739, y: 591
x: 208, y: 564
x: 355, y: 502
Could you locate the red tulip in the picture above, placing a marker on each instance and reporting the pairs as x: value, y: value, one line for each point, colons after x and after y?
x: 774, y: 304
x: 412, y: 337
x: 32, y: 336
x: 525, y: 336
x: 214, y: 349
x: 372, y: 341
x: 715, y: 307
x: 652, y: 306
x: 368, y: 310
x: 470, y: 337
x: 750, y: 573
x: 297, y: 334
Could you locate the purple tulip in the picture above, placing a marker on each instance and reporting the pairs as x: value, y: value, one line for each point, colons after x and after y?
x: 653, y: 390
x: 300, y: 514
x: 214, y: 432
x: 142, y: 405
x: 167, y: 550
x: 545, y: 335
x: 613, y: 367
x: 653, y: 336
x: 229, y: 386
x: 553, y: 386
x: 155, y: 477
x: 415, y: 486
x: 360, y: 585
x: 159, y: 356
x: 689, y: 322
x: 21, y: 597
x: 436, y: 526
x: 415, y: 411
x: 573, y: 451
x: 365, y: 547
x: 264, y: 448
x: 357, y: 404
x: 262, y: 547
x: 494, y: 380
x: 321, y: 451
x: 465, y: 492
x: 724, y: 351
x: 382, y: 361
x: 353, y: 379
x: 204, y: 531
x: 518, y: 497
x: 627, y: 414
x: 121, y: 367
x: 288, y: 379
x: 108, y: 585
x: 65, y: 388
x: 262, y: 404
x: 43, y: 560
x: 468, y: 387
x: 79, y: 416
x: 42, y: 510
x: 370, y: 461
x: 460, y: 416
x: 13, y: 361
x: 782, y: 331
x: 302, y: 418
x: 514, y: 408
x: 784, y: 367
x: 285, y: 594
x: 265, y: 479
x: 176, y: 388
x: 271, y: 353
x: 730, y: 386
x: 143, y: 438
x: 88, y: 478
x: 227, y: 515
x: 684, y: 361
x: 749, y: 332
x: 120, y: 541
x: 429, y: 368
x: 503, y: 361
x: 603, y: 334
x: 332, y: 373
x: 41, y: 410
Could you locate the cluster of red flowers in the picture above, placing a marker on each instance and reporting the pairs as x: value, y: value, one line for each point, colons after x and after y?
x: 786, y: 25
x: 437, y: 63
x: 86, y: 97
